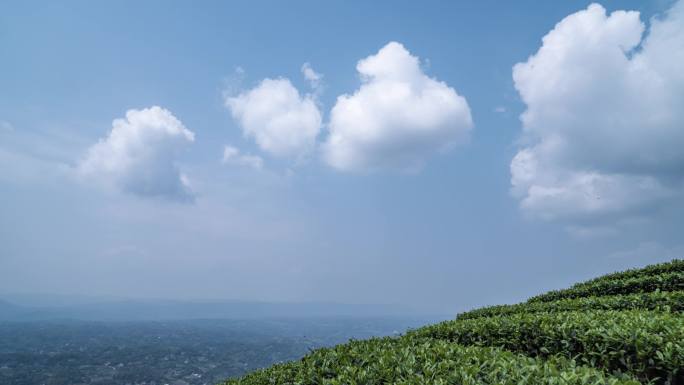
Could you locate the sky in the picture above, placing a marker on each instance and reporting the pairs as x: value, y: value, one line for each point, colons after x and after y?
x: 437, y: 155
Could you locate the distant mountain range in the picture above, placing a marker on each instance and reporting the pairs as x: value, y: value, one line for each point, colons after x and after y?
x: 145, y: 310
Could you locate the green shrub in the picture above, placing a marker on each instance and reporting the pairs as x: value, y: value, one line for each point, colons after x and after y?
x: 422, y: 362
x: 673, y: 281
x: 616, y: 329
x: 649, y: 345
x: 676, y: 265
x: 659, y: 301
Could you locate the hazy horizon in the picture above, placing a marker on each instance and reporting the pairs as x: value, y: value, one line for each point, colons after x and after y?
x: 53, y: 299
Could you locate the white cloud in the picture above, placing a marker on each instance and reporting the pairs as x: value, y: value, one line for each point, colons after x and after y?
x: 232, y: 155
x: 313, y: 77
x: 38, y: 154
x: 232, y: 84
x: 397, y: 118
x: 281, y: 121
x: 139, y: 155
x: 603, y: 131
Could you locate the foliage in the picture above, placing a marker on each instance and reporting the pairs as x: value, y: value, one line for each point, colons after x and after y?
x: 647, y: 344
x: 673, y: 281
x: 659, y: 301
x: 416, y: 362
x: 674, y: 266
x: 617, y: 329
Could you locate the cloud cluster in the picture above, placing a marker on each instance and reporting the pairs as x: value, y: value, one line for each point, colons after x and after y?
x: 281, y: 121
x: 603, y: 130
x: 397, y: 118
x: 139, y: 155
x: 233, y: 156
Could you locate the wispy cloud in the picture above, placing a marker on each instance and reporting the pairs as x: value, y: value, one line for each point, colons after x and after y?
x: 233, y: 156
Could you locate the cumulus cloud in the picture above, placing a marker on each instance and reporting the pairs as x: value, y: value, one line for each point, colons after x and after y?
x: 603, y: 130
x: 139, y: 155
x: 280, y: 120
x: 397, y: 118
x: 233, y: 156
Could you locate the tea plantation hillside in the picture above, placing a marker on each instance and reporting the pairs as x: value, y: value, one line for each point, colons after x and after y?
x: 622, y: 328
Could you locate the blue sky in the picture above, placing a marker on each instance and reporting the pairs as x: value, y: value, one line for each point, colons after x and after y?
x: 412, y: 166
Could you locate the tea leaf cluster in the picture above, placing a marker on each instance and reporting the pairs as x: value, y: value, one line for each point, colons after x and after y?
x: 671, y: 281
x: 412, y: 361
x: 646, y: 344
x: 659, y: 301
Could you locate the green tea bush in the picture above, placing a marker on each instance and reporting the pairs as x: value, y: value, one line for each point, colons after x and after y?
x: 422, y: 362
x: 649, y: 345
x: 658, y: 301
x: 664, y: 282
x: 674, y: 266
x: 621, y: 328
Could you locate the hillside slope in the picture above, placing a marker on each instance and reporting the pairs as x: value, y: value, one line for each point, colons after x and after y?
x: 622, y: 328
